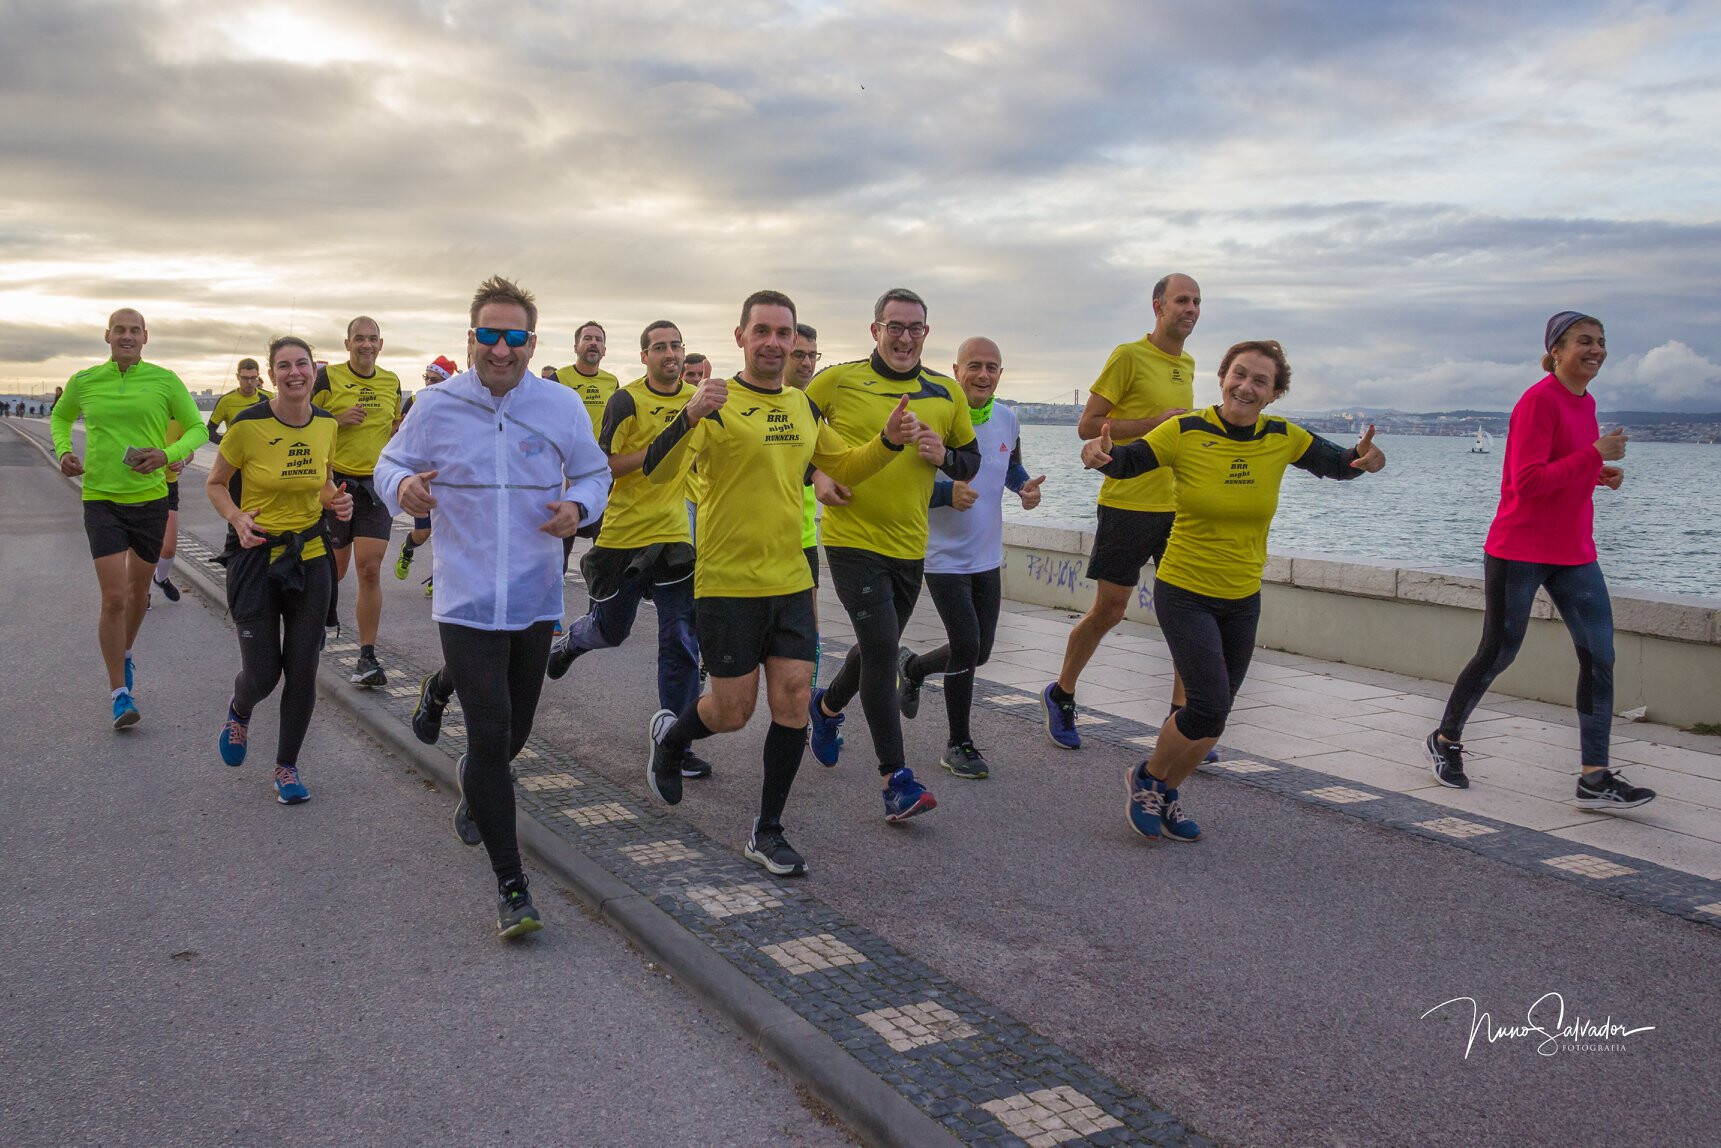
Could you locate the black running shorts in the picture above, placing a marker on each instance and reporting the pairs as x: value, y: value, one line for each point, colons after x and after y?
x: 115, y: 527
x: 370, y: 519
x: 1125, y: 540
x: 736, y: 635
x: 173, y: 496
x: 812, y: 553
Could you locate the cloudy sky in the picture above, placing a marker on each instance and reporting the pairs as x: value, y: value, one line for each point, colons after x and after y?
x: 1400, y: 192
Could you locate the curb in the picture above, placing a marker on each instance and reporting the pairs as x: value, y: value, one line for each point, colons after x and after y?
x: 866, y: 1105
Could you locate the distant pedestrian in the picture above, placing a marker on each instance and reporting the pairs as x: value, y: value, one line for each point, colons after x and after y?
x: 1543, y: 536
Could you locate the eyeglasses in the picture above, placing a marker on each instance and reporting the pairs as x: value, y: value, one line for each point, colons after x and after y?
x: 898, y: 330
x: 805, y: 356
x: 490, y: 336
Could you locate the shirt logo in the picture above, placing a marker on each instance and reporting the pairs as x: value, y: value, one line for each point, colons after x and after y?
x: 533, y: 446
x: 750, y: 410
x: 1239, y: 475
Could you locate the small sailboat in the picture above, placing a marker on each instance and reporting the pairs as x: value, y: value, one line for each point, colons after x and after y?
x: 1484, y: 442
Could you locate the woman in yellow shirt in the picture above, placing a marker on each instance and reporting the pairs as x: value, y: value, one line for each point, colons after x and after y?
x: 1227, y: 462
x: 279, y: 573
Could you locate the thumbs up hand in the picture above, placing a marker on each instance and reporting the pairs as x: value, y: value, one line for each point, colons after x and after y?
x: 1369, y: 457
x: 415, y: 496
x: 1611, y: 446
x: 1030, y: 492
x: 1097, y: 452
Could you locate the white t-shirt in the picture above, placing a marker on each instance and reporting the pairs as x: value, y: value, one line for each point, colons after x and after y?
x: 972, y: 541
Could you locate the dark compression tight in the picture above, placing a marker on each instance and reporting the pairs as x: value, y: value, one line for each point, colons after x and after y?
x: 879, y: 594
x: 497, y: 675
x: 1212, y: 641
x: 968, y: 605
x: 285, y: 641
x: 1580, y: 594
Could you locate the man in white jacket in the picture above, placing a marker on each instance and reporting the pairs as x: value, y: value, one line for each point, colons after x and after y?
x: 504, y: 463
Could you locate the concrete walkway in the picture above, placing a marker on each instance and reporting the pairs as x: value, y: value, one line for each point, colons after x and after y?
x: 1267, y: 985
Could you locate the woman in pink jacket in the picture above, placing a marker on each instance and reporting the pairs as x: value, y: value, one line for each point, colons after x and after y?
x: 1543, y: 536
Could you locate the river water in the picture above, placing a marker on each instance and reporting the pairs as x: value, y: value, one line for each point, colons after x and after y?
x: 1432, y: 504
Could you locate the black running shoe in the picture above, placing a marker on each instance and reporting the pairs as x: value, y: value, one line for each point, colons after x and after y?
x: 368, y: 672
x: 768, y: 847
x: 167, y: 588
x: 692, y: 765
x: 965, y: 762
x: 427, y: 714
x: 1447, y: 758
x: 515, y: 914
x: 562, y: 655
x: 1604, y: 791
x: 464, y: 827
x: 907, y: 686
x: 663, y: 771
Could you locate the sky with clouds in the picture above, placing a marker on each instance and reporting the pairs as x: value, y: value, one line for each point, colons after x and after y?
x: 1400, y: 192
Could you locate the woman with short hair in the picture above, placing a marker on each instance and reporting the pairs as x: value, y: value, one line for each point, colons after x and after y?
x: 1207, y: 589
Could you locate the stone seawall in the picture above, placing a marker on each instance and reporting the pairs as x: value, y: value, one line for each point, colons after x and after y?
x: 1424, y: 622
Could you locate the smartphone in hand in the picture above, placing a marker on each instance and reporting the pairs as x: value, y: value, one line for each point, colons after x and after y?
x: 133, y: 455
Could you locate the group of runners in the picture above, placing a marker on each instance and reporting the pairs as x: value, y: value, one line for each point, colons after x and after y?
x: 702, y: 494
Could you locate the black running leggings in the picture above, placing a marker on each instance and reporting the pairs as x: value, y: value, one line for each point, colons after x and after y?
x: 1212, y: 641
x: 286, y: 641
x: 497, y: 675
x: 968, y: 605
x: 879, y: 594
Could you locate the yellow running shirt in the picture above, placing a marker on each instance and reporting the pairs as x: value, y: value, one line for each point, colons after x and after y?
x: 888, y: 516
x: 282, y: 469
x: 1227, y: 484
x: 357, y: 447
x: 641, y: 512
x: 1141, y: 382
x: 754, y: 452
x: 228, y: 406
x: 594, y: 391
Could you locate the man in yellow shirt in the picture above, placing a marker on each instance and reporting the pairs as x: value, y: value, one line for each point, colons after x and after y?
x: 755, y: 439
x: 1142, y: 385
x: 585, y: 377
x: 365, y: 400
x: 875, y: 537
x: 249, y: 392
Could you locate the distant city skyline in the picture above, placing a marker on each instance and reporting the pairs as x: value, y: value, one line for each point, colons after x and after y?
x: 1401, y: 194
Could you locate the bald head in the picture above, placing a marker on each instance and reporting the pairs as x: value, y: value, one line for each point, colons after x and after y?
x: 126, y: 336
x: 1176, y: 308
x: 979, y: 366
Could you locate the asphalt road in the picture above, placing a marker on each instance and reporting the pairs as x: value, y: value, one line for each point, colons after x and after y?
x: 185, y: 961
x: 1267, y: 984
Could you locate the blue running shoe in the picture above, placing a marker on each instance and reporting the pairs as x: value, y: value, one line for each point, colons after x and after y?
x: 128, y: 671
x: 905, y: 797
x: 289, y: 790
x: 823, y: 737
x: 125, y: 711
x: 231, y: 740
x: 1145, y: 802
x: 1177, y: 827
x: 1060, y: 721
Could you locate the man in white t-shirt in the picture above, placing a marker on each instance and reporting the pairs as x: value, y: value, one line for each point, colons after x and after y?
x: 965, y: 554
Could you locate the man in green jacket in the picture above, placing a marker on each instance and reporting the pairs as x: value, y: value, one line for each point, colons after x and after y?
x: 126, y: 405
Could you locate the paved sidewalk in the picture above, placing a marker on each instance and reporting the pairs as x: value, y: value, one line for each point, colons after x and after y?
x: 1265, y: 986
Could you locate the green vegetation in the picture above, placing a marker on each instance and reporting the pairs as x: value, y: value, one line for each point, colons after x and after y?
x: 1713, y: 729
